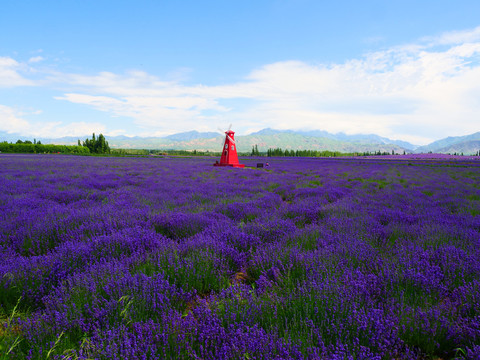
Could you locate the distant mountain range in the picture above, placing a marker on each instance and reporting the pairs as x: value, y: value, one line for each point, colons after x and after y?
x: 271, y: 138
x: 468, y: 144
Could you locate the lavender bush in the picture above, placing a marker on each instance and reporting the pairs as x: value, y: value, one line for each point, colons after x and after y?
x: 172, y: 258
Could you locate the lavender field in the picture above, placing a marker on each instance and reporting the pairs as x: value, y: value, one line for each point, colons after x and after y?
x: 172, y: 258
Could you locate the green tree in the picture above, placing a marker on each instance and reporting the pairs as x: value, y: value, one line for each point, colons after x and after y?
x: 97, y: 145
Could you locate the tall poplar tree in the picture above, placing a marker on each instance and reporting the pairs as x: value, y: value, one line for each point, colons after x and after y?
x: 97, y: 145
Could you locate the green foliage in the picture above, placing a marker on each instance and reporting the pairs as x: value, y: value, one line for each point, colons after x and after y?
x: 39, y: 148
x: 9, y: 334
x: 307, y: 153
x: 198, y: 270
x: 97, y: 145
x: 129, y: 152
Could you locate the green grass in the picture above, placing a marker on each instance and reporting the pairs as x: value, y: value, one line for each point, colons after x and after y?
x: 10, y: 336
x: 307, y: 241
x: 196, y: 270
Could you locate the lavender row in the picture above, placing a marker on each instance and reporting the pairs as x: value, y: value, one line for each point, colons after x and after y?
x: 173, y: 258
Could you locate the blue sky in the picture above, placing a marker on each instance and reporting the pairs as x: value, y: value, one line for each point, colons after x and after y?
x: 407, y: 70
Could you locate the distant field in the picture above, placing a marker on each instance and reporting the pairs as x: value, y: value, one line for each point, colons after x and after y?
x: 172, y: 258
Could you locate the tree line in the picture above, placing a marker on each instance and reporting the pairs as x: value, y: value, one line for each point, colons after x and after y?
x: 39, y: 148
x: 279, y: 152
x: 99, y: 145
x: 303, y: 153
x: 95, y: 145
x: 327, y: 153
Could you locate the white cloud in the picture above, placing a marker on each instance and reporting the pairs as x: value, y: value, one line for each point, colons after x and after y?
x: 79, y: 129
x: 13, y: 121
x: 150, y: 112
x: 10, y: 73
x: 456, y: 37
x: 35, y: 59
x: 421, y: 91
x: 417, y: 89
x: 429, y: 93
